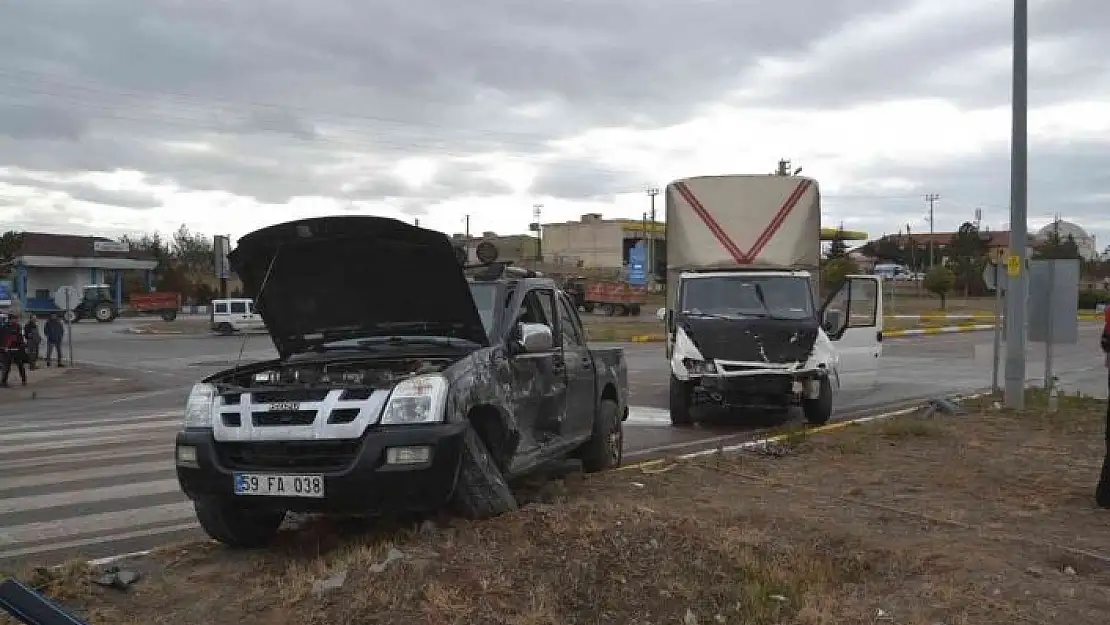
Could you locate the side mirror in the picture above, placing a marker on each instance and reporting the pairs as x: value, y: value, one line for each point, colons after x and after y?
x: 661, y: 314
x: 535, y: 338
x: 832, y: 321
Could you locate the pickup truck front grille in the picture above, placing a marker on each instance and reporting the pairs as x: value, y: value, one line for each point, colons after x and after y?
x: 290, y: 394
x: 276, y: 455
x: 283, y: 417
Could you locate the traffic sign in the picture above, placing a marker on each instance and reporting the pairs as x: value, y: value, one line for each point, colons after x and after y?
x: 67, y: 297
x: 1013, y: 266
x: 994, y: 277
x: 5, y: 293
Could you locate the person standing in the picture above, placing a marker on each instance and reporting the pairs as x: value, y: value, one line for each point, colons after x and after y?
x: 54, y: 331
x: 33, y: 337
x: 1102, y: 491
x: 14, y: 350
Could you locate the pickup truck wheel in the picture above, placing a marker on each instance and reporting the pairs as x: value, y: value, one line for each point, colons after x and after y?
x: 680, y: 399
x: 819, y: 411
x: 481, y: 491
x: 237, y: 527
x: 605, y: 448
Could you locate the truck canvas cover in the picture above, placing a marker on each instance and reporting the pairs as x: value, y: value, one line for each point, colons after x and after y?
x: 743, y: 221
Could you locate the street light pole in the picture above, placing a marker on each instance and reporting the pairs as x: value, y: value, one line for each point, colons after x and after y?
x: 649, y: 242
x: 1018, y: 284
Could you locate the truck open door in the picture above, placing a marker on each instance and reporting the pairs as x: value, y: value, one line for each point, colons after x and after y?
x: 853, y: 320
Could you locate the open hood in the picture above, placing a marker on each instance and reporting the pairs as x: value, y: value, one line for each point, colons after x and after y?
x: 774, y: 341
x: 351, y: 277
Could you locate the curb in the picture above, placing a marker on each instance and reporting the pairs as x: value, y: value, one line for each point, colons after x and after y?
x: 153, y: 332
x: 1083, y: 316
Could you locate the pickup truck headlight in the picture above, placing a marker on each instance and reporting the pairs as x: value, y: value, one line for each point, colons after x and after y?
x: 419, y: 399
x: 699, y: 367
x: 200, y: 406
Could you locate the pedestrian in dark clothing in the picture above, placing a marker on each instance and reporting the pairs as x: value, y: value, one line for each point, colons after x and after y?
x: 33, y: 337
x: 1102, y: 491
x: 14, y: 350
x: 54, y: 331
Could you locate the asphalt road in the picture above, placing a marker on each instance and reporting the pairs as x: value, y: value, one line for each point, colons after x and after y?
x: 93, y: 475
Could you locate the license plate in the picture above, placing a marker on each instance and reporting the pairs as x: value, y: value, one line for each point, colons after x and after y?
x: 274, y: 485
x: 283, y: 406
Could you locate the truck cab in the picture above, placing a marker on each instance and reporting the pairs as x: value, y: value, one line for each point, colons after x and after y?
x: 744, y: 328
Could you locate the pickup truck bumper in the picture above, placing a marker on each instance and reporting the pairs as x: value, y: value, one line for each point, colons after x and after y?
x: 771, y: 389
x: 359, y: 476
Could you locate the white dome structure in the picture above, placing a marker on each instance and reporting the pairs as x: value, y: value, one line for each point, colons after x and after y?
x: 1084, y: 241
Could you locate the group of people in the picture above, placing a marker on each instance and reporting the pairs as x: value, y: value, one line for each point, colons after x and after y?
x: 20, y: 344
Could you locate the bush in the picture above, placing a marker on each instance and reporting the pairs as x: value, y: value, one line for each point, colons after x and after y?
x: 1089, y: 300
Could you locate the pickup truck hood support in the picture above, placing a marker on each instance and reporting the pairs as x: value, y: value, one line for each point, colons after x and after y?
x: 344, y: 277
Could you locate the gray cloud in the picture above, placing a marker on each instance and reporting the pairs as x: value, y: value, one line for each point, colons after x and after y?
x: 572, y: 179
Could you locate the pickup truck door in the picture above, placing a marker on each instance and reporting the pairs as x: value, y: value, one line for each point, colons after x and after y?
x: 539, y: 379
x: 580, y: 374
x: 853, y: 320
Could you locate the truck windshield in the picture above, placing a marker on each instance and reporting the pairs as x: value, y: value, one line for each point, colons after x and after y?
x: 485, y: 298
x: 781, y: 297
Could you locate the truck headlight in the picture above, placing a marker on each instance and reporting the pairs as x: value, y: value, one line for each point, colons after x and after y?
x: 699, y: 367
x: 200, y: 406
x: 419, y: 399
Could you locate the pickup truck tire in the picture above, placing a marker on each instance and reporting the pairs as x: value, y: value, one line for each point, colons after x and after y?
x: 680, y: 399
x: 481, y: 491
x: 605, y: 448
x: 819, y: 411
x: 237, y: 527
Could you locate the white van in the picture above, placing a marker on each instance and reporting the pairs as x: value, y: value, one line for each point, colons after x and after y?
x: 234, y: 315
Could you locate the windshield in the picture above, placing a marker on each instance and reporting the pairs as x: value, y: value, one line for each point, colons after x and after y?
x: 485, y: 299
x: 774, y: 296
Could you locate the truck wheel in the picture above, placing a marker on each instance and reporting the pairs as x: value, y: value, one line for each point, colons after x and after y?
x: 819, y: 411
x: 680, y: 400
x: 605, y: 448
x: 237, y: 527
x: 225, y: 329
x: 608, y: 310
x: 634, y: 311
x: 481, y: 491
x: 169, y: 315
x: 623, y: 311
x: 588, y: 307
x: 103, y: 312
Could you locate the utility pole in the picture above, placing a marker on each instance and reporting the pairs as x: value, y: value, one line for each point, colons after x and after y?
x: 649, y: 241
x: 537, y: 211
x: 1018, y: 281
x: 931, y: 198
x: 784, y: 167
x: 466, y: 239
x: 418, y: 222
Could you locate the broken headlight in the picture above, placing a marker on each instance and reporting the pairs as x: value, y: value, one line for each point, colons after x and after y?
x: 699, y: 367
x: 419, y: 399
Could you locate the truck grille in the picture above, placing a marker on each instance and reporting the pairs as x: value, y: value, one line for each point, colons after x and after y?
x: 307, y: 455
x: 283, y: 417
x: 292, y: 394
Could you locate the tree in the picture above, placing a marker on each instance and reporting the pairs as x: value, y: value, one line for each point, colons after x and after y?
x: 838, y: 248
x: 835, y: 271
x: 193, y: 252
x: 967, y: 253
x: 939, y: 281
x: 10, y: 243
x: 887, y: 249
x: 1057, y: 247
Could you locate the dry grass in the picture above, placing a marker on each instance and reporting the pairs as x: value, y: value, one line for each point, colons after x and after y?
x: 986, y: 518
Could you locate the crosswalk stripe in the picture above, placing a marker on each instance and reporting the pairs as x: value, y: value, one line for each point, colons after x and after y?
x: 119, y: 468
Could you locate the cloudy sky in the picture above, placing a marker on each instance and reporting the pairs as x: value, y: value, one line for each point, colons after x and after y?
x: 229, y: 115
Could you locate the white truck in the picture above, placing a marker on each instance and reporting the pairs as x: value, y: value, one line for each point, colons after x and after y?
x: 743, y: 328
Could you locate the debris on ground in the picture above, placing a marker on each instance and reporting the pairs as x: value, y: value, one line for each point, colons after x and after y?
x: 985, y: 519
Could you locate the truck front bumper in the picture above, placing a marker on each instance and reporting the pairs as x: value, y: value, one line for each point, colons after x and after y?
x: 359, y: 476
x: 763, y: 389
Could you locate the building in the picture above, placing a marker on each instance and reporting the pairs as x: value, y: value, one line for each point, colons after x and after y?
x: 998, y: 242
x: 1088, y: 249
x: 45, y: 262
x: 593, y: 242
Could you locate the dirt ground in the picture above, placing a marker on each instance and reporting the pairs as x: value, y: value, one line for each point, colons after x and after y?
x: 977, y: 519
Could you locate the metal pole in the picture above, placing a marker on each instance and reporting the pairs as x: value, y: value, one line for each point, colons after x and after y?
x: 997, y: 352
x: 69, y: 329
x: 1018, y: 290
x: 1048, y: 331
x: 649, y: 260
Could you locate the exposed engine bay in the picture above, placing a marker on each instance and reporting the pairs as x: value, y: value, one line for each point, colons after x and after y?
x: 324, y: 374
